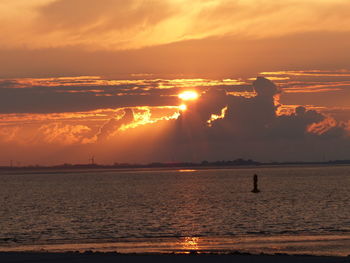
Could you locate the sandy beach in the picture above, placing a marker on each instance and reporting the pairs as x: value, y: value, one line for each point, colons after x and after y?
x: 12, y: 257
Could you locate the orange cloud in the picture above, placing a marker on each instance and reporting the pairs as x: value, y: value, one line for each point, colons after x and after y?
x: 323, y: 126
x: 64, y: 134
x: 9, y: 134
x: 66, y: 129
x: 119, y: 24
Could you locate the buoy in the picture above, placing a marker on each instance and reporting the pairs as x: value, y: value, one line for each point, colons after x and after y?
x: 255, y: 183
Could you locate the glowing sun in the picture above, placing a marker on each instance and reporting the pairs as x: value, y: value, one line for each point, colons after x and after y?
x: 183, y: 107
x: 189, y: 95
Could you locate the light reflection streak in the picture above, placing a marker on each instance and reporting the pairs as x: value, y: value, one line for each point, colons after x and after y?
x: 290, y: 109
x: 245, y: 94
x: 94, y: 115
x: 313, y: 73
x: 215, y: 117
x: 143, y: 116
x: 190, y: 244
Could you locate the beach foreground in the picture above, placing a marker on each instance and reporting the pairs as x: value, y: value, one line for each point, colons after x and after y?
x: 7, y: 257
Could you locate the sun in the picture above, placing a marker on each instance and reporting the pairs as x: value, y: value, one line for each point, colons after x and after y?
x: 189, y: 95
x: 183, y: 107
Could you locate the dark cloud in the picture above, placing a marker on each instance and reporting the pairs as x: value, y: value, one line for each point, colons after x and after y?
x: 44, y: 100
x: 250, y: 129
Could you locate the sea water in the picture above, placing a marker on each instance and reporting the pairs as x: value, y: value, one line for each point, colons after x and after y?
x: 303, y: 210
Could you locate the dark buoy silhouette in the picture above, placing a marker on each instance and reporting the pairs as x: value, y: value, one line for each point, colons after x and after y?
x: 255, y: 181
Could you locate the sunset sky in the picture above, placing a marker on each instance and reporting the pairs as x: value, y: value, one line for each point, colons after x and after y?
x: 82, y: 78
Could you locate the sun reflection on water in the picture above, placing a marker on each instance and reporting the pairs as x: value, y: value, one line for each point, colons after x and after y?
x: 190, y: 244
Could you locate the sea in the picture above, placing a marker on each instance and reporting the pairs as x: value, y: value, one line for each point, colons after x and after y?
x: 299, y: 210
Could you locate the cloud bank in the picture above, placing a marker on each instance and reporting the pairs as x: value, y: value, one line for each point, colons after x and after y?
x: 217, y: 126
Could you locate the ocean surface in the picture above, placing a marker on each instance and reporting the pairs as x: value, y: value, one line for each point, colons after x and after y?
x: 303, y: 210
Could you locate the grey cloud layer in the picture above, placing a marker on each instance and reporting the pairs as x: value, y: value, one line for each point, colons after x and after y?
x: 48, y: 100
x: 327, y: 90
x: 60, y: 95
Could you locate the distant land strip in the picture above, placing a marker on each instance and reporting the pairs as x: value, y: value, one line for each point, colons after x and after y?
x: 200, y: 165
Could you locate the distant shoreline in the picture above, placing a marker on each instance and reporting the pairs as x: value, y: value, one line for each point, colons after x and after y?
x: 173, y: 166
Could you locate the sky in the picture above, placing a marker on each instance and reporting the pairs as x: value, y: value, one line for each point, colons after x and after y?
x: 83, y: 78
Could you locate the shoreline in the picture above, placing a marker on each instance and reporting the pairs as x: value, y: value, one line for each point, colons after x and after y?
x: 312, y: 245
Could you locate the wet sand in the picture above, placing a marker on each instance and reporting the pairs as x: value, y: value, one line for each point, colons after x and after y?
x: 90, y: 257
